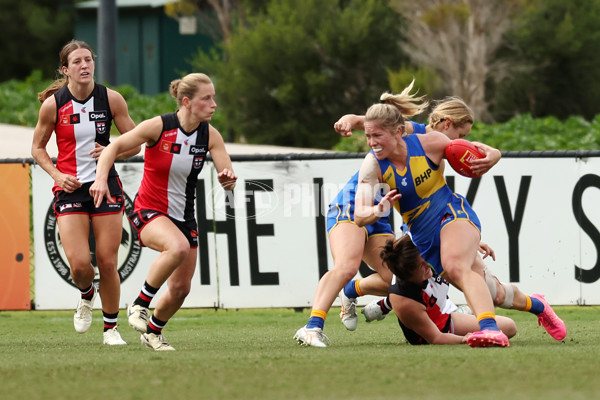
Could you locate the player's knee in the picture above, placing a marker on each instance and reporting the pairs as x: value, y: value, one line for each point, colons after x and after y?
x: 80, y: 268
x: 455, y: 275
x: 509, y: 328
x: 107, y: 263
x: 178, y: 251
x: 346, y: 272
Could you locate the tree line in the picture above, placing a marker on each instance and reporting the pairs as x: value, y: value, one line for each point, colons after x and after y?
x: 285, y: 70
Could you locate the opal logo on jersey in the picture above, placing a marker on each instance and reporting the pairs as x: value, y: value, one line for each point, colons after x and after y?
x: 197, y: 149
x: 97, y: 115
x: 128, y: 256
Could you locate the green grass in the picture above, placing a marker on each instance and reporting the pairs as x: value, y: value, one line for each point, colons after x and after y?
x: 250, y: 354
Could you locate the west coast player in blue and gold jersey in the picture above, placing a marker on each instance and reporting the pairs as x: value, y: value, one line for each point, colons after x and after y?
x: 445, y: 229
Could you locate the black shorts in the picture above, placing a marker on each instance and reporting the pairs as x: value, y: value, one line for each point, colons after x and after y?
x: 81, y: 201
x: 139, y: 219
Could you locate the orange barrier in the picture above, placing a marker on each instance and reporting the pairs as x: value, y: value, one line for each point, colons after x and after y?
x: 14, y: 237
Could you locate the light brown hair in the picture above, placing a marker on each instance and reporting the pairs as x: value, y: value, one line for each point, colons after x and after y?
x: 61, y: 79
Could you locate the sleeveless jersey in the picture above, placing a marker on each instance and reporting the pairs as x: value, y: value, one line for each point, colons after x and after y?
x: 79, y: 124
x: 171, y: 169
x: 423, y: 188
x: 433, y: 294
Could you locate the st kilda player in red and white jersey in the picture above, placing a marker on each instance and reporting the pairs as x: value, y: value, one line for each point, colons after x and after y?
x: 164, y: 210
x: 420, y: 300
x: 171, y: 168
x: 80, y: 112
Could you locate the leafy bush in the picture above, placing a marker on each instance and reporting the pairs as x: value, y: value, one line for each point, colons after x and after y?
x: 19, y: 106
x: 521, y: 133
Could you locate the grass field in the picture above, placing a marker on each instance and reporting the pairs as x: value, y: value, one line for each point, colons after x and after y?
x: 250, y: 354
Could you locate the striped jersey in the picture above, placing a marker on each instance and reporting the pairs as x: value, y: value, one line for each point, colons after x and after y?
x: 79, y: 124
x: 433, y: 294
x: 171, y: 168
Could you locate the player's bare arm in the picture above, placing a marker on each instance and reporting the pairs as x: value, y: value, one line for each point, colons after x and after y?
x: 41, y: 135
x: 218, y: 152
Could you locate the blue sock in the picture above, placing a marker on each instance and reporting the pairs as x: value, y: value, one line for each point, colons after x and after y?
x: 350, y: 290
x: 537, y: 307
x: 315, y: 322
x: 487, y: 320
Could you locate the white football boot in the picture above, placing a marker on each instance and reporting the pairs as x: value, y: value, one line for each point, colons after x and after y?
x: 82, y: 319
x: 311, y: 337
x: 156, y: 342
x: 373, y: 312
x: 112, y: 337
x: 348, y: 313
x: 137, y: 316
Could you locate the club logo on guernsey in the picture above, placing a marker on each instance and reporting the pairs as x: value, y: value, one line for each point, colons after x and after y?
x: 101, y: 127
x: 128, y: 254
x: 198, y: 162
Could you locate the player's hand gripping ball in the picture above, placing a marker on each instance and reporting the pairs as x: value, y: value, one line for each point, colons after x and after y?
x: 460, y: 153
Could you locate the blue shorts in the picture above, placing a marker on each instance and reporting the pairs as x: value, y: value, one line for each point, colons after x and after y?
x: 341, y: 213
x: 458, y: 209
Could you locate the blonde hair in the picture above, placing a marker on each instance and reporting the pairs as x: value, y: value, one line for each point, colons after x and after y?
x: 187, y: 86
x: 390, y: 112
x: 63, y: 80
x: 453, y: 109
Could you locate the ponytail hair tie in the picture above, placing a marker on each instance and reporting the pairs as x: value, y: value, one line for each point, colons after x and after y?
x: 382, y: 101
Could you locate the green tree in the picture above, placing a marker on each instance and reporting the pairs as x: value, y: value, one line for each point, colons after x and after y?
x: 33, y: 32
x: 289, y: 72
x: 458, y: 41
x: 560, y: 40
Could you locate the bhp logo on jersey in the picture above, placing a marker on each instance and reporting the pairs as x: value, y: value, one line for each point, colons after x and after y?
x: 423, y: 177
x: 97, y: 115
x: 170, y: 147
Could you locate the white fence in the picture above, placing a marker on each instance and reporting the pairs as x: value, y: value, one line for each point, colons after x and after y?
x: 267, y: 246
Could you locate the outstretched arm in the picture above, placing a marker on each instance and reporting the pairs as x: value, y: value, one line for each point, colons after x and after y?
x: 146, y: 132
x: 348, y: 122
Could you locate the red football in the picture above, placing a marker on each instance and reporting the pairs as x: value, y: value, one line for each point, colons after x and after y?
x: 460, y: 153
